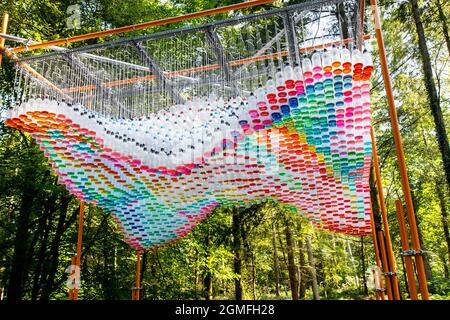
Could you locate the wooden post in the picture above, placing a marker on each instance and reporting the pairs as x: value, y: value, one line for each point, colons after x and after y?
x: 135, y: 295
x: 385, y: 266
x: 387, y: 235
x: 405, y: 247
x: 400, y: 154
x: 5, y: 19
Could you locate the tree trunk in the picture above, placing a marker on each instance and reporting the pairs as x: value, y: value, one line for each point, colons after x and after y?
x: 312, y: 266
x: 253, y: 275
x: 341, y: 15
x: 301, y: 262
x: 444, y: 215
x: 237, y: 249
x: 143, y: 269
x: 444, y: 24
x: 291, y: 263
x: 376, y: 211
x: 405, y: 278
x: 45, y: 225
x: 276, y: 267
x: 50, y: 268
x: 285, y: 263
x: 352, y: 260
x: 363, y: 266
x: 21, y: 243
x: 207, y: 283
x: 433, y: 97
x: 428, y: 271
x: 445, y: 262
x: 207, y: 280
x: 426, y: 263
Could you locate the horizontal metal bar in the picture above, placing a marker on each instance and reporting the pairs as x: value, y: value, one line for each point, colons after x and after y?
x: 90, y: 56
x: 144, y: 25
x: 192, y: 29
x: 215, y: 66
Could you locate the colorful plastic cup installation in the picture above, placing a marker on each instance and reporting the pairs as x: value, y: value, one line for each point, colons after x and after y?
x: 302, y: 138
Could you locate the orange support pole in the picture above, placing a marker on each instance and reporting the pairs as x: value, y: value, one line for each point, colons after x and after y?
x: 379, y: 294
x: 390, y: 255
x: 144, y: 25
x: 5, y: 20
x: 136, y: 292
x: 405, y: 247
x: 385, y: 266
x: 79, y: 242
x: 399, y: 150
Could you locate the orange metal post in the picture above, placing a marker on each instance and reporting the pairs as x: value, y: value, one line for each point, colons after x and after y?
x: 405, y: 247
x: 144, y: 25
x: 390, y: 256
x: 5, y: 19
x: 380, y: 294
x: 136, y: 291
x: 79, y: 242
x: 385, y: 266
x: 400, y: 154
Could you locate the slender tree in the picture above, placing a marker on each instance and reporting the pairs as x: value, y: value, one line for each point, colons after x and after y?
x: 312, y: 268
x: 276, y: 266
x: 237, y: 249
x: 291, y: 262
x: 443, y: 20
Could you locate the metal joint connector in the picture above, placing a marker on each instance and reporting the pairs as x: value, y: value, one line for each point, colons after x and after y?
x: 407, y: 253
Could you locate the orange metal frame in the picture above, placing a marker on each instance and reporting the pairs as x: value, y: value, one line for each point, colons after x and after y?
x: 391, y: 267
x: 381, y: 242
x: 73, y: 293
x: 136, y: 293
x: 405, y: 247
x: 399, y: 150
x: 5, y: 20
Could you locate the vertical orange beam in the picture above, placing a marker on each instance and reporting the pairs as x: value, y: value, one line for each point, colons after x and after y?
x: 405, y: 247
x: 5, y: 19
x: 79, y: 242
x: 399, y: 150
x: 385, y: 266
x: 136, y: 295
x: 390, y: 255
x: 379, y: 294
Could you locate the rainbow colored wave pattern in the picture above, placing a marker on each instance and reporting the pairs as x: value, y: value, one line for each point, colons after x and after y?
x: 302, y: 139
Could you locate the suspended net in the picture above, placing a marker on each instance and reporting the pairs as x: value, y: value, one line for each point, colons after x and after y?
x: 160, y: 129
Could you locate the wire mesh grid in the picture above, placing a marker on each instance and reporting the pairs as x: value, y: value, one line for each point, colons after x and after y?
x: 135, y: 77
